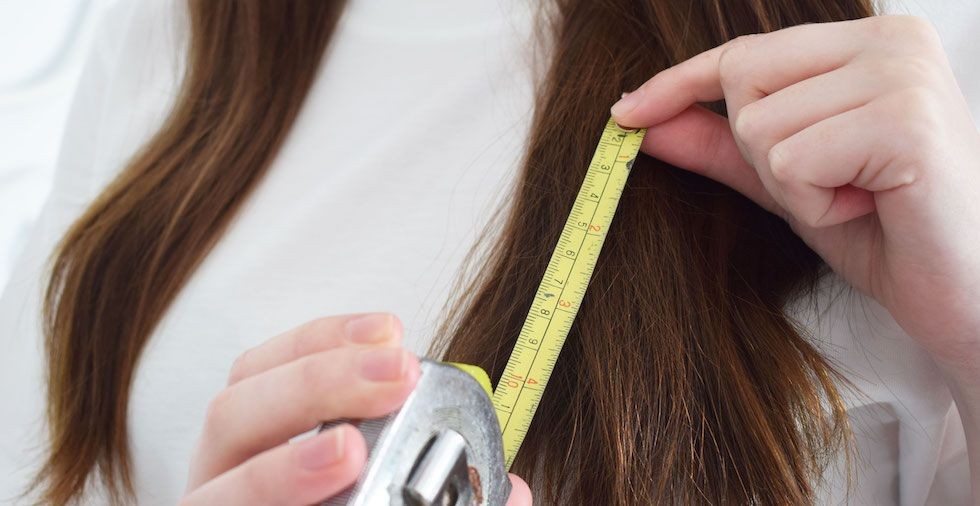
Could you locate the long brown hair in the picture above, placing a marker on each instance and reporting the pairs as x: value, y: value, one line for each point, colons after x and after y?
x: 682, y: 380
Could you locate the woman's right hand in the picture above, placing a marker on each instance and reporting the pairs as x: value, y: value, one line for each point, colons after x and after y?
x: 350, y: 366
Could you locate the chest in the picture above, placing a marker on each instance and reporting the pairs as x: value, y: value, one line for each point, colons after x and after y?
x: 394, y: 168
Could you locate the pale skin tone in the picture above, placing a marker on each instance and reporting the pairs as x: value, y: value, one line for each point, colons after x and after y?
x: 350, y: 366
x: 855, y: 133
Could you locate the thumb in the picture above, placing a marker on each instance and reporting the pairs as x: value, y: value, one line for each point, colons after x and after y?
x: 701, y: 141
x: 520, y: 493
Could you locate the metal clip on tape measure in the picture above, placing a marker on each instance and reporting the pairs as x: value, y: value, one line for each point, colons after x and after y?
x: 444, y: 446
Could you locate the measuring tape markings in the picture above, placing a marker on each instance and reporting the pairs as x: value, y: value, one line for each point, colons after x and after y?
x: 569, y: 270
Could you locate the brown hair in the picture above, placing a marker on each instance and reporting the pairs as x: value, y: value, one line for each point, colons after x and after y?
x: 682, y: 380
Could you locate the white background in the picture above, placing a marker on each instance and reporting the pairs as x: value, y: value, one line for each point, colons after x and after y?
x: 42, y: 47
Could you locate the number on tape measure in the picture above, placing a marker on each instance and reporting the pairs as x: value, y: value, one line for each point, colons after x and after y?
x: 563, y: 285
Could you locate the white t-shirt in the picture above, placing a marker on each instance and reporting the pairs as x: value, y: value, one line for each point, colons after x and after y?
x: 445, y: 88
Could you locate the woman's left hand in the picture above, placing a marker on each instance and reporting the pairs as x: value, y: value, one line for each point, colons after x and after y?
x: 857, y: 134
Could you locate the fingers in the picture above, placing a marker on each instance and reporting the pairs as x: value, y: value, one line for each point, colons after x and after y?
x: 805, y: 113
x: 369, y: 329
x: 820, y: 176
x: 302, y: 473
x: 824, y: 187
x: 761, y: 124
x: 701, y: 141
x: 671, y: 91
x: 740, y: 71
x: 266, y: 410
x: 520, y: 493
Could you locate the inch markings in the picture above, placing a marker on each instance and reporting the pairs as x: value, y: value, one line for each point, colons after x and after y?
x: 563, y: 286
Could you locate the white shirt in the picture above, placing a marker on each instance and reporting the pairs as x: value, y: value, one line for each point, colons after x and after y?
x: 344, y: 225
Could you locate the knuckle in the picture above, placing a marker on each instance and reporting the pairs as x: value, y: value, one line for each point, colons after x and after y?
x: 732, y: 59
x: 917, y: 147
x: 214, y: 419
x: 748, y: 126
x: 319, y: 335
x: 919, y: 137
x: 311, y: 377
x: 911, y: 70
x: 312, y: 373
x: 319, y: 374
x: 921, y: 70
x: 914, y: 124
x: 919, y: 29
x: 920, y: 99
x: 336, y: 390
x: 906, y: 28
x: 779, y: 164
x: 308, y: 336
x: 916, y: 110
x: 740, y: 45
x: 907, y: 172
x: 239, y: 368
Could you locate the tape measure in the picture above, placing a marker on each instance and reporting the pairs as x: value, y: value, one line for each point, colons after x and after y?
x: 441, y: 446
x: 563, y: 286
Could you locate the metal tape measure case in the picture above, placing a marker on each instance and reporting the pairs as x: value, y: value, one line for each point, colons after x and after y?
x: 442, y: 447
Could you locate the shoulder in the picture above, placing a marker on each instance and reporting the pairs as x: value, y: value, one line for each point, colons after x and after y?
x: 129, y: 77
x: 137, y: 34
x: 128, y: 83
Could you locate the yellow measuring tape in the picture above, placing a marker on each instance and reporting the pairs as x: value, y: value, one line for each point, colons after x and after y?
x: 560, y: 293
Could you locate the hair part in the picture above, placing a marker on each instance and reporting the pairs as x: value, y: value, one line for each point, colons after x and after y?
x: 682, y: 379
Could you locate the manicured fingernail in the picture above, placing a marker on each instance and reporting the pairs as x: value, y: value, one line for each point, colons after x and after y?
x: 370, y: 328
x: 383, y: 364
x: 627, y: 103
x: 322, y: 450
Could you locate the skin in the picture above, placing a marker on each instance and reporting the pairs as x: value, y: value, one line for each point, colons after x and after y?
x: 856, y: 134
x: 350, y: 366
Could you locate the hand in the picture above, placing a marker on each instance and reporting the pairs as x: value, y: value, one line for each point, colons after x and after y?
x: 339, y: 367
x: 857, y: 135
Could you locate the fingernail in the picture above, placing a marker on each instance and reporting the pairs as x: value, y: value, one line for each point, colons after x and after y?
x: 383, y: 364
x: 627, y: 103
x: 322, y: 450
x: 369, y: 328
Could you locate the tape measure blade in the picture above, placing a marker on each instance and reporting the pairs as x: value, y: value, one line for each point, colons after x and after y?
x: 563, y: 286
